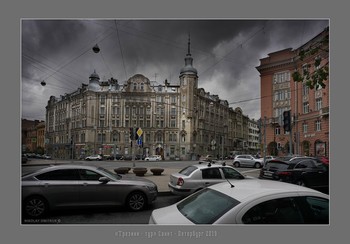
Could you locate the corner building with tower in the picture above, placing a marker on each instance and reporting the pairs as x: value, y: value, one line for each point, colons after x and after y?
x: 177, y: 121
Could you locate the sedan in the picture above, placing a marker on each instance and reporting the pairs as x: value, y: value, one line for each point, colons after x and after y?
x: 309, y: 172
x: 93, y: 157
x: 153, y: 158
x: 247, y: 202
x: 196, y: 177
x: 75, y: 186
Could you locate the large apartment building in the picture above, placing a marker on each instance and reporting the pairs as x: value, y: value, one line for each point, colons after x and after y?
x: 309, y: 107
x: 175, y: 120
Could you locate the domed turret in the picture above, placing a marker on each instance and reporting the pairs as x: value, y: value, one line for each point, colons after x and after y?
x: 94, y: 81
x: 188, y: 69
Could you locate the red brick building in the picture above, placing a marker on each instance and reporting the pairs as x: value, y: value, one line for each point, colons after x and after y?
x: 309, y: 107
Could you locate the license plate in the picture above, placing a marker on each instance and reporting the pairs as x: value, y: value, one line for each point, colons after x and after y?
x: 268, y: 173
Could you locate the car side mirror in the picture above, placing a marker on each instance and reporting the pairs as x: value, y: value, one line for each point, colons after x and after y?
x: 103, y: 180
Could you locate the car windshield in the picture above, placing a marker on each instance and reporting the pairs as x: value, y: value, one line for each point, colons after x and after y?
x: 206, y: 206
x: 276, y: 165
x: 188, y: 170
x: 110, y: 174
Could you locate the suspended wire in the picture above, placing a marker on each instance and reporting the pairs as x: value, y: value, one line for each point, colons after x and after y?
x: 237, y: 46
x: 121, y: 49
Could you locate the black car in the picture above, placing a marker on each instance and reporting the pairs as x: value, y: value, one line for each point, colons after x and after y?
x: 309, y: 172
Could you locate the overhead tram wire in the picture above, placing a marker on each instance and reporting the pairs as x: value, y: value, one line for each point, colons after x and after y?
x: 121, y: 50
x: 240, y: 45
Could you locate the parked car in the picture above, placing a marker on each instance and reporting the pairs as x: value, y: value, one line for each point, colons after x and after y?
x: 153, y: 158
x: 252, y: 201
x: 248, y: 161
x: 94, y: 157
x: 196, y: 177
x: 117, y: 157
x: 24, y: 159
x: 75, y: 186
x: 45, y: 156
x: 309, y: 172
x: 324, y: 159
x: 206, y: 158
x: 268, y: 158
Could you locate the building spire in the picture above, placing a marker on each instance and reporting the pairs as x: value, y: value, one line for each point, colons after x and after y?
x: 189, y: 45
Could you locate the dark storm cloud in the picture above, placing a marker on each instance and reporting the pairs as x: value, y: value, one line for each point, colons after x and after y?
x: 225, y: 53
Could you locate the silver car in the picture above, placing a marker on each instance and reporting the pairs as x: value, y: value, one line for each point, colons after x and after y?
x: 67, y: 186
x: 196, y: 177
x: 248, y: 161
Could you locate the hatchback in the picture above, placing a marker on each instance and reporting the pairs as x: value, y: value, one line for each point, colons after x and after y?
x: 75, y: 186
x: 253, y: 201
x: 196, y: 177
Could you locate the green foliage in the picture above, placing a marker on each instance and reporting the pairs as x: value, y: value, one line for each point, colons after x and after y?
x: 320, y: 73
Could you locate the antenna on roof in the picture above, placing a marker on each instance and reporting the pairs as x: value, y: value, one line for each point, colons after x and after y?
x: 230, y: 183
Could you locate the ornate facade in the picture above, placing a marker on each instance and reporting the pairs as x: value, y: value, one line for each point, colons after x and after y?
x: 176, y: 120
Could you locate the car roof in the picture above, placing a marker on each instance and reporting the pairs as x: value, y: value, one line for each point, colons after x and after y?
x: 207, y: 164
x: 257, y: 188
x: 61, y: 166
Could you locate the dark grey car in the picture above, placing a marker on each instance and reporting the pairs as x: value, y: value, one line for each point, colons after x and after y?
x: 67, y: 186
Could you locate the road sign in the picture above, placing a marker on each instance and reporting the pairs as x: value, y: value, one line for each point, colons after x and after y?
x: 139, y: 141
x: 139, y: 132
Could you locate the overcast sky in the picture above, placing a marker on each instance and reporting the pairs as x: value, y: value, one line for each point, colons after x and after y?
x: 225, y: 54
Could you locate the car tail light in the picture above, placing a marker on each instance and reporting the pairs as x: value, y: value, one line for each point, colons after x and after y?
x: 180, y: 181
x: 284, y: 173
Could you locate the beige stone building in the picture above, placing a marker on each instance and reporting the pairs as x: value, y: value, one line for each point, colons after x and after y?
x: 176, y: 121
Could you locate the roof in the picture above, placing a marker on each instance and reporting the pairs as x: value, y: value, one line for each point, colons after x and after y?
x: 256, y: 188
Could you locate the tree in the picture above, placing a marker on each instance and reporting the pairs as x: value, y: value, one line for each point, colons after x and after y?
x: 319, y: 74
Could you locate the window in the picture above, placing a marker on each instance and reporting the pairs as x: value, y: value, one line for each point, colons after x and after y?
x: 135, y: 86
x: 277, y: 130
x: 317, y: 125
x: 318, y: 210
x: 276, y: 211
x: 318, y: 104
x: 89, y: 175
x: 206, y: 206
x: 305, y: 107
x: 231, y: 173
x: 305, y: 90
x: 305, y: 127
x: 63, y: 174
x: 211, y: 173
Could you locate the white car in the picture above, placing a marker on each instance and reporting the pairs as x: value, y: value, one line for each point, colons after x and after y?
x: 93, y: 157
x: 153, y: 158
x: 252, y: 201
x: 198, y: 176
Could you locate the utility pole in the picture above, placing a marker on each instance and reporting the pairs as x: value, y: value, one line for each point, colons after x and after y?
x: 264, y: 138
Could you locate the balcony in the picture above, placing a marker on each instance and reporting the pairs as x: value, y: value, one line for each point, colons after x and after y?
x: 324, y: 111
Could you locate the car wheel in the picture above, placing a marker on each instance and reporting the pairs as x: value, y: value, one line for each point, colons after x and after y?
x: 236, y: 164
x: 136, y: 201
x: 257, y: 165
x: 35, y: 207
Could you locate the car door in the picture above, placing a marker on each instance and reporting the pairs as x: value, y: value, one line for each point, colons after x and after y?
x: 60, y: 187
x: 316, y: 174
x: 94, y: 192
x: 211, y: 176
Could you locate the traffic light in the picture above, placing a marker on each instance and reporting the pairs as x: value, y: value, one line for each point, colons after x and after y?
x: 286, y: 121
x: 132, y: 134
